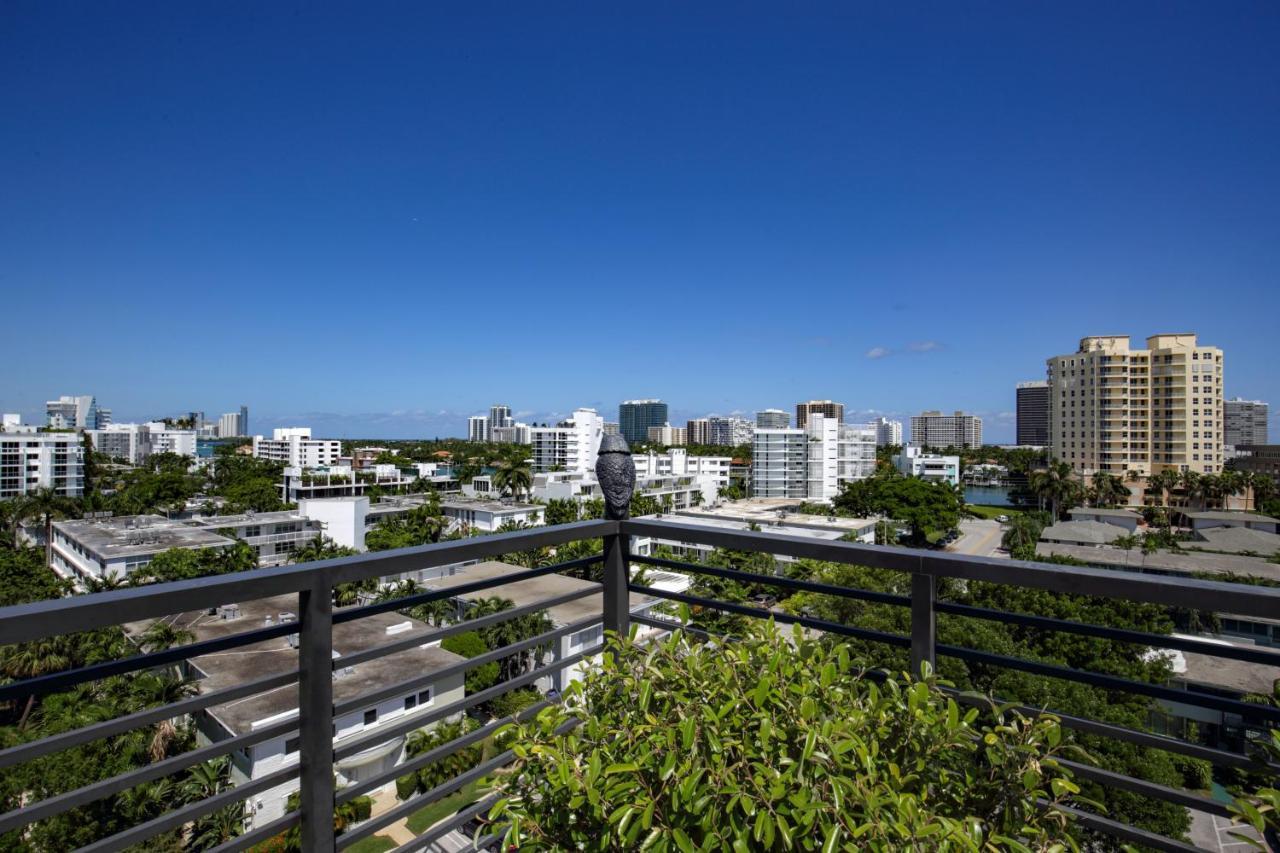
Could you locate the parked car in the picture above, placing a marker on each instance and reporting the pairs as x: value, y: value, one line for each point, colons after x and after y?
x: 1003, y: 519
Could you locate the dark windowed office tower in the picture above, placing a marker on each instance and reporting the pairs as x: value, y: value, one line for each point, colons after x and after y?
x: 636, y: 416
x: 1033, y: 413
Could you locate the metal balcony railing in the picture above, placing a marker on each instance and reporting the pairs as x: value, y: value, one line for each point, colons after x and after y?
x: 313, y: 584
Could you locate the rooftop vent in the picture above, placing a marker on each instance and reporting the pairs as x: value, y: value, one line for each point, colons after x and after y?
x: 227, y: 612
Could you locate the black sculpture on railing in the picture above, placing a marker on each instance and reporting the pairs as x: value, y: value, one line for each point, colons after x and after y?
x: 616, y: 471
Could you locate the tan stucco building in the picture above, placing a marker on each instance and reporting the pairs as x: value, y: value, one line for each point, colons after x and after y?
x: 1117, y: 409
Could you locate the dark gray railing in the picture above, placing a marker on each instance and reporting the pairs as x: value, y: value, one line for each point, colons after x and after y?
x: 314, y: 582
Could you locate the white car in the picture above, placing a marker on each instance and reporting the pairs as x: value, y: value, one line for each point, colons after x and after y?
x: 1003, y: 519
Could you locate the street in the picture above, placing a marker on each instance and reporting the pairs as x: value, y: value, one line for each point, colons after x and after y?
x: 979, y: 537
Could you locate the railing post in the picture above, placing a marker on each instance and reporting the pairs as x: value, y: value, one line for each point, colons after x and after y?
x: 924, y: 622
x: 315, y: 712
x: 616, y: 472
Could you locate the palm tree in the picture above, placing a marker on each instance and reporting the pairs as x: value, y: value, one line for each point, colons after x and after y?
x: 436, y: 613
x: 1164, y: 482
x: 109, y: 581
x: 161, y: 635
x: 1192, y: 487
x: 11, y: 520
x: 1053, y: 484
x: 514, y: 476
x: 46, y: 504
x: 32, y: 660
x: 1107, y: 490
x: 1264, y: 489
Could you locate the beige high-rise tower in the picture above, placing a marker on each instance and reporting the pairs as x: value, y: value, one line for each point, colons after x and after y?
x: 1116, y: 409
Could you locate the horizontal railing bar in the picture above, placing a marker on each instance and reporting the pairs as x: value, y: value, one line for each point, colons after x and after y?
x: 351, y: 613
x: 60, y: 803
x: 1125, y: 832
x: 436, y: 753
x: 45, y: 684
x: 412, y: 684
x: 1111, y: 779
x: 260, y: 833
x: 66, y: 740
x: 1241, y: 599
x: 22, y: 623
x: 449, y: 824
x: 446, y: 631
x: 437, y: 793
x: 785, y: 618
x: 1113, y: 682
x: 1243, y: 653
x: 778, y: 581
x: 180, y: 816
x: 385, y: 734
x: 1251, y: 655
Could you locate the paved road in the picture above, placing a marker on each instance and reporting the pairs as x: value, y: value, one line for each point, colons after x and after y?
x: 979, y: 538
x: 1211, y: 832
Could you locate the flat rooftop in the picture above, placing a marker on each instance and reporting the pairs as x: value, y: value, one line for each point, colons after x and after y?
x: 1106, y: 513
x: 486, y: 505
x: 247, y: 518
x: 773, y: 514
x: 534, y: 590
x: 237, y: 666
x: 1211, y: 671
x: 1230, y: 515
x: 138, y: 535
x: 1163, y: 561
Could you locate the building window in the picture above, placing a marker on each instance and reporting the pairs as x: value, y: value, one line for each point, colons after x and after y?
x: 410, y: 702
x: 371, y: 716
x: 424, y: 697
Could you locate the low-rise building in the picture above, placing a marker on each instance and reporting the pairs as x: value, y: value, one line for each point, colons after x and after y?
x: 1128, y: 519
x: 1258, y: 459
x: 671, y: 491
x: 490, y: 515
x: 678, y: 462
x: 1088, y: 533
x: 295, y: 447
x: 41, y: 460
x: 1219, y: 518
x: 130, y: 442
x: 227, y: 669
x: 915, y: 462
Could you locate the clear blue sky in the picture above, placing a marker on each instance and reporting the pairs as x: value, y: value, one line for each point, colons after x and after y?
x: 379, y: 218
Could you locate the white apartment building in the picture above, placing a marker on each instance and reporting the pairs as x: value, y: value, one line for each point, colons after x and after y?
x: 676, y: 462
x: 570, y: 445
x: 1244, y: 422
x: 500, y: 416
x: 80, y: 412
x: 11, y: 422
x: 488, y: 516
x: 166, y: 439
x: 667, y: 435
x: 227, y: 669
x: 512, y: 433
x: 295, y: 447
x: 673, y: 491
x: 811, y: 463
x: 729, y: 432
x: 131, y: 442
x: 934, y: 429
x: 915, y: 462
x: 888, y: 432
x: 230, y: 425
x: 41, y: 460
x: 1117, y: 409
x: 477, y: 428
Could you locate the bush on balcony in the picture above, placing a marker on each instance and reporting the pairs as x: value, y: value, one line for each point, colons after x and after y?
x: 777, y: 742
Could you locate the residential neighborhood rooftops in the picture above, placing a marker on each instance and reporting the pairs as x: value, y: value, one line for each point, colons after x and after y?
x: 238, y: 666
x: 138, y: 535
x: 1083, y: 532
x: 1238, y: 540
x: 534, y: 590
x: 771, y: 513
x: 1224, y: 673
x: 1164, y: 561
x: 1104, y: 513
x: 1231, y: 515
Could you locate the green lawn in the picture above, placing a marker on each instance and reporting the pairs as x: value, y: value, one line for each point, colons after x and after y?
x: 990, y: 512
x: 426, y: 817
x: 372, y: 844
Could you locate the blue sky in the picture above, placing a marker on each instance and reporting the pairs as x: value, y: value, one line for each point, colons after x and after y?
x: 378, y: 220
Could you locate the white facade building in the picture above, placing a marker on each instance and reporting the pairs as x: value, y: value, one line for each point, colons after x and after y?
x: 678, y: 463
x: 667, y: 435
x: 811, y: 463
x: 570, y: 445
x: 934, y: 429
x: 295, y: 447
x: 131, y: 442
x: 165, y: 439
x: 773, y: 419
x: 231, y: 425
x: 477, y: 428
x: 914, y: 462
x: 513, y: 433
x: 41, y: 460
x: 888, y: 432
x: 489, y: 515
x: 80, y: 412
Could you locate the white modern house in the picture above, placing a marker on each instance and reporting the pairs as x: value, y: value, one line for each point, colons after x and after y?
x: 570, y: 445
x: 230, y: 668
x: 41, y: 460
x: 913, y: 461
x: 295, y: 447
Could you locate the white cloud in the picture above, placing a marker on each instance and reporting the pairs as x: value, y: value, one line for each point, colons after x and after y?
x: 878, y: 352
x: 925, y: 346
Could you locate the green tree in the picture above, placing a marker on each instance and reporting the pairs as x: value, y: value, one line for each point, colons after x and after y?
x: 513, y: 477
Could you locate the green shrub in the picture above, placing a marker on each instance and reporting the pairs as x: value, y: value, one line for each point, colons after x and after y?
x: 777, y: 742
x: 439, y: 772
x: 363, y: 808
x: 470, y: 644
x: 514, y: 702
x: 1197, y: 774
x: 407, y: 786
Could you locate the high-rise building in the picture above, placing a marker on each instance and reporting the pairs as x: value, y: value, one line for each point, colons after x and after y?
x: 811, y: 463
x: 73, y: 412
x: 477, y: 428
x: 167, y: 439
x: 244, y: 420
x: 1244, y: 422
x: 698, y: 431
x: 729, y: 432
x: 667, y: 435
x: 773, y: 419
x: 231, y: 424
x: 570, y: 445
x: 1117, y: 409
x: 499, y: 416
x: 513, y: 433
x: 888, y: 432
x: 1033, y: 413
x: 41, y: 460
x: 934, y: 429
x: 636, y: 416
x: 612, y: 428
x: 826, y: 408
x: 131, y: 442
